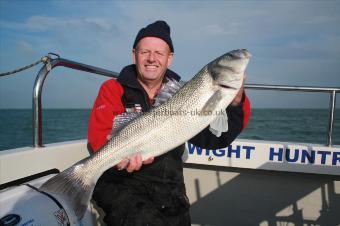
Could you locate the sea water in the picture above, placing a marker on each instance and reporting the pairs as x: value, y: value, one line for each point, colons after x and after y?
x: 294, y: 125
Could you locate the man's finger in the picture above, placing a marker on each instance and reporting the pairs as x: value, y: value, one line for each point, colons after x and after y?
x: 123, y: 164
x: 138, y: 161
x: 132, y: 164
x: 148, y: 161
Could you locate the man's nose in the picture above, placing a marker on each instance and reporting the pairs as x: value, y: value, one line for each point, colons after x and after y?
x: 151, y: 56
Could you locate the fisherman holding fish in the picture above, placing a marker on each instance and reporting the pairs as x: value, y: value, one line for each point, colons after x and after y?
x: 152, y: 191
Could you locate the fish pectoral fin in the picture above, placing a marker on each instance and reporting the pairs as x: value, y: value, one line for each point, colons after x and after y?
x: 212, y: 103
x: 220, y: 124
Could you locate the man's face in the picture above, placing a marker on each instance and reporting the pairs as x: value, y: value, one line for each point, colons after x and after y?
x: 152, y: 57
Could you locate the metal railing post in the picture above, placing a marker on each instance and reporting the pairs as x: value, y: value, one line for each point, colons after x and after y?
x: 38, y: 85
x: 331, y: 118
x: 37, y: 108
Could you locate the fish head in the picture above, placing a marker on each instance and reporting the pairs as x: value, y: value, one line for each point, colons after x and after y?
x: 228, y: 70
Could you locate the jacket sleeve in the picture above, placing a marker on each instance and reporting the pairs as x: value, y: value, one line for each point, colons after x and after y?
x: 107, y: 105
x: 238, y: 117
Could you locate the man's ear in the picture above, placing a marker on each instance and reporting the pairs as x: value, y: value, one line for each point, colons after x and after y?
x: 134, y: 56
x: 170, y: 58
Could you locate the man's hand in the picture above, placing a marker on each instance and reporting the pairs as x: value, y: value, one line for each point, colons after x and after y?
x: 134, y: 163
x: 238, y: 98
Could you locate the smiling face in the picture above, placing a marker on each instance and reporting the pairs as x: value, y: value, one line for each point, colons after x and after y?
x: 152, y: 57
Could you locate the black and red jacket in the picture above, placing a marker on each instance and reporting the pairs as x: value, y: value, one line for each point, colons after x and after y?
x: 160, y: 183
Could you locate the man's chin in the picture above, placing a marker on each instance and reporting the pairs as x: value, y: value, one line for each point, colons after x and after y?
x: 152, y: 77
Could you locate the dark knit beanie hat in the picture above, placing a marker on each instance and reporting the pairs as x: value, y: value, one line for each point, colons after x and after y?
x: 159, y: 29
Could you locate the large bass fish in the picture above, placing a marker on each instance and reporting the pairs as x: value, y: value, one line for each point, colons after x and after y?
x: 158, y: 131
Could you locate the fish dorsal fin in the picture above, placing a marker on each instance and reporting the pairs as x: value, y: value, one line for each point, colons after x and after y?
x: 120, y: 121
x: 220, y: 124
x: 168, y: 90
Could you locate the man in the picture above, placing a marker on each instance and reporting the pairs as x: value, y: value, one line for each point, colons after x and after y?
x: 150, y: 192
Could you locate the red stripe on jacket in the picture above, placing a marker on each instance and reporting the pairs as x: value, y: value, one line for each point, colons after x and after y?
x: 108, y: 104
x: 246, y: 111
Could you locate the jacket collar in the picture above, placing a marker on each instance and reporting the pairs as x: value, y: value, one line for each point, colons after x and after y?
x: 128, y: 76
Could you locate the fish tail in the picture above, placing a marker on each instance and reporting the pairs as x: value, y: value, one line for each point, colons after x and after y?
x: 74, y: 185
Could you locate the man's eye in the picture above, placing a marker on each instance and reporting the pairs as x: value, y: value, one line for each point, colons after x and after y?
x: 160, y: 53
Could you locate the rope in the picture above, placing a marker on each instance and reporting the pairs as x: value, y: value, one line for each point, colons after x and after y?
x: 44, y: 59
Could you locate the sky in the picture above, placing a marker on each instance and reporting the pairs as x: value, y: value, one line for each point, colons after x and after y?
x: 292, y: 43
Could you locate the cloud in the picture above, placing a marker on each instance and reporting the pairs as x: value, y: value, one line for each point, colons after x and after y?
x: 55, y: 24
x: 317, y: 47
x: 233, y: 28
x: 25, y: 48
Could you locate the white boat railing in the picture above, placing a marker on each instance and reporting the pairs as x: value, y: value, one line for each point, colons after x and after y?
x: 55, y: 62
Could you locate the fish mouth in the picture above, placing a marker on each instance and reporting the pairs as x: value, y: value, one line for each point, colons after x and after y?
x: 240, y: 54
x: 226, y: 86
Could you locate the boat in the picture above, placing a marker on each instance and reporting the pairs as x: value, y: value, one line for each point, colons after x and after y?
x: 250, y: 182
